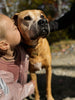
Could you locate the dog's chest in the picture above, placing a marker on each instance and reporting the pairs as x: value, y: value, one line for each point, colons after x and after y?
x: 36, y: 60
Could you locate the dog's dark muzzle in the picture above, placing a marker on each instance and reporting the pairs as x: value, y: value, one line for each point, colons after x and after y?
x: 44, y: 27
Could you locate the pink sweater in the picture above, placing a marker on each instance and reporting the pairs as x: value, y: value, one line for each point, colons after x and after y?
x: 19, y: 70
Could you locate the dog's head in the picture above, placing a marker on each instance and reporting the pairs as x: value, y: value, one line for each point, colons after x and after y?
x: 32, y: 24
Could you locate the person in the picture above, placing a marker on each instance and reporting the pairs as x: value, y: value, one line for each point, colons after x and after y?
x: 14, y: 62
x: 64, y: 21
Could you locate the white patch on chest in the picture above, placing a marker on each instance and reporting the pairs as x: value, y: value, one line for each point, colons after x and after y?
x: 38, y: 66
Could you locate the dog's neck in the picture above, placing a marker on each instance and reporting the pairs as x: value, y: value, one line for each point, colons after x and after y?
x: 29, y: 48
x: 31, y: 44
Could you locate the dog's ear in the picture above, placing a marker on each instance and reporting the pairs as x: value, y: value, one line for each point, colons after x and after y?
x: 15, y: 18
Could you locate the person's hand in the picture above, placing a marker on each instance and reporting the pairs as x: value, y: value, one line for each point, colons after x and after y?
x: 1, y: 92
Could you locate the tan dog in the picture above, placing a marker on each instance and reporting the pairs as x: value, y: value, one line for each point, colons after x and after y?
x: 34, y: 26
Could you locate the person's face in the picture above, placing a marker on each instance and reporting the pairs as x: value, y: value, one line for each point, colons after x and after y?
x: 12, y: 33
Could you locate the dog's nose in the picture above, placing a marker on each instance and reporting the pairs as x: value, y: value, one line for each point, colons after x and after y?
x: 42, y: 22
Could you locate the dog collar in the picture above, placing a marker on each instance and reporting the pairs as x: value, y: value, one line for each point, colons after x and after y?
x: 28, y: 46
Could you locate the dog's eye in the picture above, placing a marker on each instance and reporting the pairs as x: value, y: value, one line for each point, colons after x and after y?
x: 42, y: 16
x: 27, y: 18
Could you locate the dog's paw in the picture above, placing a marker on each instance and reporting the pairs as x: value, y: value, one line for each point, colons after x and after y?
x: 50, y: 98
x: 37, y: 97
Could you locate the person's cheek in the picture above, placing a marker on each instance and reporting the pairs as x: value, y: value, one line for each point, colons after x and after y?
x: 18, y: 35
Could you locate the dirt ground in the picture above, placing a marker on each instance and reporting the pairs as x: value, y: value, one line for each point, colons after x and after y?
x: 63, y: 73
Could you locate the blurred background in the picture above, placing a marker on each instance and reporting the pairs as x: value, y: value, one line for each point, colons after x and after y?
x: 62, y: 44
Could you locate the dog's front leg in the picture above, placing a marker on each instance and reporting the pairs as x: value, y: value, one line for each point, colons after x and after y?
x: 48, y: 84
x: 34, y: 77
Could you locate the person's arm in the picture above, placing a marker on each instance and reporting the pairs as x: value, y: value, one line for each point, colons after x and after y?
x: 64, y: 21
x: 27, y: 90
x: 3, y: 87
x: 15, y: 90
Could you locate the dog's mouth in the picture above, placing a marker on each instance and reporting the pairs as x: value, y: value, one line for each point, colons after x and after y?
x: 40, y: 31
x: 44, y: 31
x: 43, y: 27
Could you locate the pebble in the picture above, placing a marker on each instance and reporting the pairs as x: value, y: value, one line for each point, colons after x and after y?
x: 68, y: 98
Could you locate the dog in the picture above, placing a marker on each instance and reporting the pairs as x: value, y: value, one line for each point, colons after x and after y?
x: 34, y: 27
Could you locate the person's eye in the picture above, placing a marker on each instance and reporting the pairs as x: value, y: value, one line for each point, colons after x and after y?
x: 27, y: 18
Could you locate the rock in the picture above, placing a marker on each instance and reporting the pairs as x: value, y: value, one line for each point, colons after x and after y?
x: 68, y: 98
